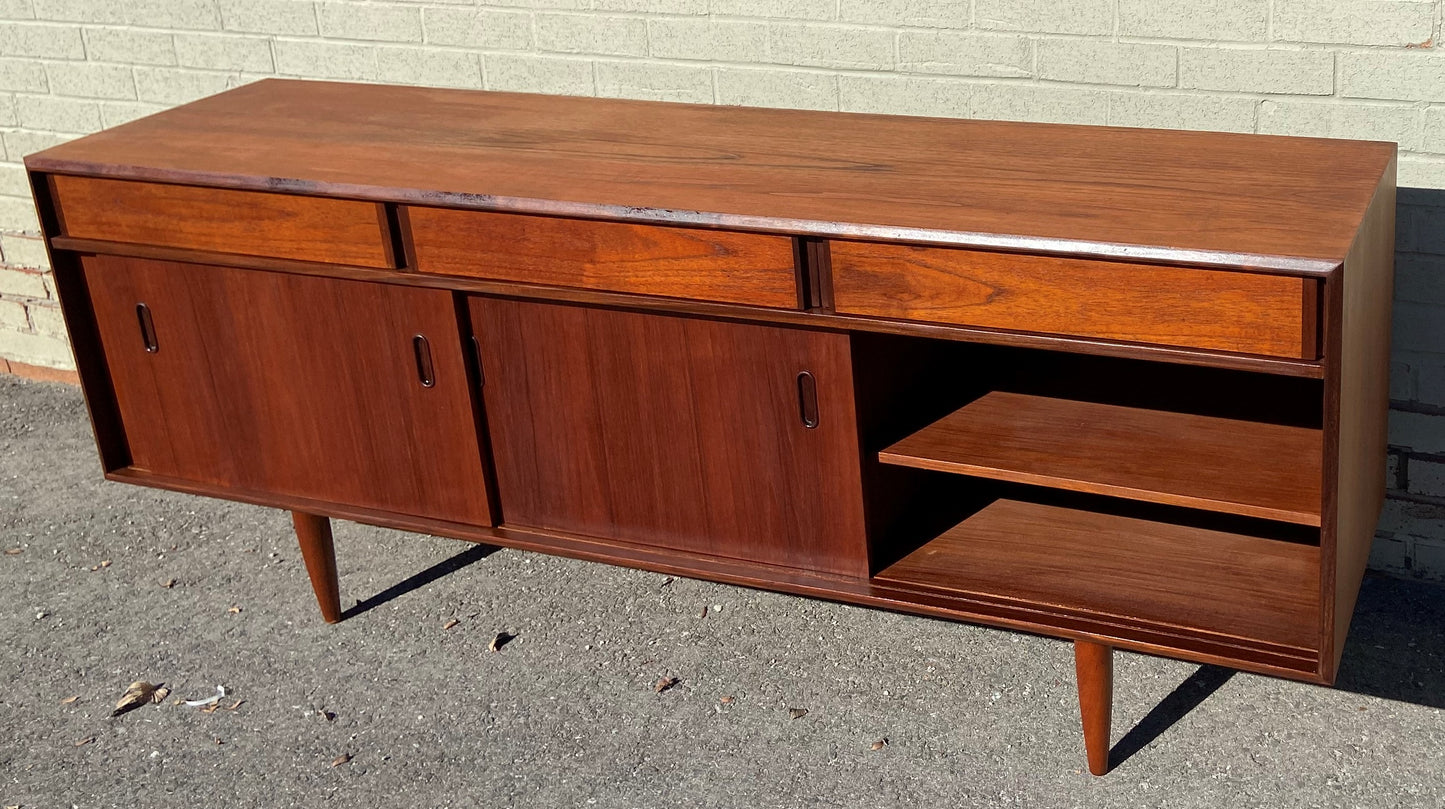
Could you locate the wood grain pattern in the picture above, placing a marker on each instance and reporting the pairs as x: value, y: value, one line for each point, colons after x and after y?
x: 1358, y: 403
x: 1227, y: 311
x: 679, y: 433
x: 318, y: 551
x: 1194, y: 197
x: 1278, y: 661
x: 1094, y: 668
x: 224, y: 220
x: 1225, y: 465
x: 1215, y: 581
x: 710, y: 265
x: 291, y: 384
x: 815, y: 320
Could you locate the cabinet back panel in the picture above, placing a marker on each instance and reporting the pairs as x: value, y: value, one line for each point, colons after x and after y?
x: 680, y: 433
x: 291, y: 384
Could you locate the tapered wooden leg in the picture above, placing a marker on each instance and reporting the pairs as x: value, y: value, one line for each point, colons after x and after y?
x: 1094, y: 666
x: 314, y: 534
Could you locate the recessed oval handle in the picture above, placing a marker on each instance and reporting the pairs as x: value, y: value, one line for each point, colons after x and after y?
x: 147, y: 328
x: 424, y: 370
x: 808, y: 399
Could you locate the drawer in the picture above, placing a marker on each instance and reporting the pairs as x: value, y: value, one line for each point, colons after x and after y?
x: 1185, y: 307
x: 253, y: 223
x: 673, y: 262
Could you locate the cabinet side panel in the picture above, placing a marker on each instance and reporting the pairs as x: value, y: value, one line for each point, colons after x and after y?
x: 678, y: 433
x: 1363, y: 402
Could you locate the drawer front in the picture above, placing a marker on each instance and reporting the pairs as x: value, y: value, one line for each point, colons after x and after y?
x: 693, y: 263
x: 1174, y: 306
x: 253, y: 223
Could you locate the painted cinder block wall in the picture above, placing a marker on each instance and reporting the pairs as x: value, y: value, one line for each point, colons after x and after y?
x: 1331, y: 68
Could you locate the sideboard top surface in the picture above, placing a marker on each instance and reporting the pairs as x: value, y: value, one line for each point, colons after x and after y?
x: 1219, y: 199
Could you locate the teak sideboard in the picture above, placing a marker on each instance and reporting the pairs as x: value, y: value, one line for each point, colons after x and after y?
x: 1122, y: 387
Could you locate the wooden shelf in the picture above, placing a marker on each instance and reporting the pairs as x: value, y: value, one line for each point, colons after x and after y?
x: 1224, y: 465
x: 1258, y: 590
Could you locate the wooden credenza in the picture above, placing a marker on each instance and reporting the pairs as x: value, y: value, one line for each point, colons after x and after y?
x: 1123, y: 387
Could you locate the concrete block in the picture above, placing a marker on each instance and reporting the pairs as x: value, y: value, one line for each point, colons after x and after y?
x: 907, y: 13
x: 17, y: 214
x: 8, y: 115
x: 591, y: 33
x: 653, y: 6
x: 79, y: 11
x: 538, y: 74
x: 1047, y: 104
x: 1402, y: 381
x: 129, y: 46
x: 1418, y: 432
x: 41, y: 41
x: 21, y: 283
x: 24, y: 251
x: 1420, y: 171
x: 1334, y: 119
x: 287, y: 17
x: 765, y: 87
x: 23, y: 75
x: 36, y: 349
x: 1046, y: 16
x: 198, y: 15
x: 225, y: 52
x: 661, y: 82
x: 541, y: 4
x: 1421, y: 278
x: 13, y: 181
x: 19, y: 143
x: 772, y: 9
x: 1430, y: 380
x: 370, y: 22
x: 1182, y: 111
x: 814, y: 45
x: 708, y: 39
x: 16, y: 10
x: 905, y: 95
x: 1255, y: 70
x: 429, y: 66
x: 91, y: 80
x: 1419, y: 327
x: 12, y: 316
x: 1354, y: 22
x: 965, y: 54
x: 45, y: 319
x: 326, y: 60
x: 1100, y: 62
x: 1429, y: 558
x: 1407, y: 76
x: 1427, y: 477
x: 57, y: 114
x: 478, y: 28
x: 170, y: 85
x: 115, y: 113
x: 1390, y: 555
x: 1207, y: 20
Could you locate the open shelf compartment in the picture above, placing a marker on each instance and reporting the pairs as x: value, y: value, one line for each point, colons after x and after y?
x: 1156, y: 575
x: 1233, y: 466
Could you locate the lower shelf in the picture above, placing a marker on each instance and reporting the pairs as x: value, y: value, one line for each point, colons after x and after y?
x: 1135, y: 570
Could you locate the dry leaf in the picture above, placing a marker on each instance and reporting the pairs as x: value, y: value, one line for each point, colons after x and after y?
x: 703, y: 612
x: 234, y: 610
x: 502, y: 639
x: 797, y: 713
x: 160, y: 694
x: 664, y: 684
x: 209, y: 708
x: 138, y: 694
x: 233, y: 706
x: 70, y: 700
x: 168, y: 583
x: 880, y: 744
x: 726, y: 700
x: 103, y: 564
x: 14, y: 551
x: 85, y: 741
x: 341, y: 759
x: 449, y: 624
x: 330, y: 716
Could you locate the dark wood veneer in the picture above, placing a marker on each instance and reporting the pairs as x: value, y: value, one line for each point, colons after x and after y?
x: 1124, y: 387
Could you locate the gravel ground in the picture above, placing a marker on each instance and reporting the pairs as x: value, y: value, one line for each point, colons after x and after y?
x: 566, y: 714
